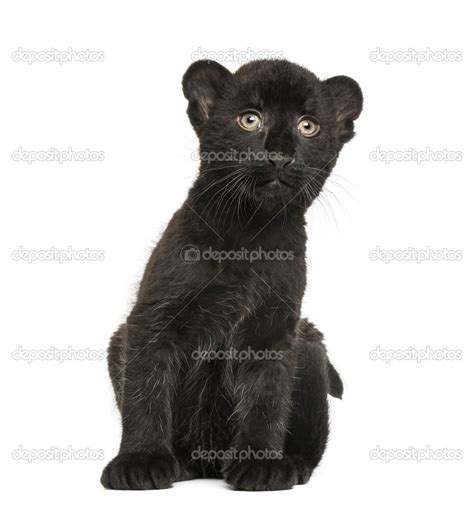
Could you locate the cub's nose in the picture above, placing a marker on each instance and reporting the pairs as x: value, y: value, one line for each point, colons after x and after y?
x: 280, y: 161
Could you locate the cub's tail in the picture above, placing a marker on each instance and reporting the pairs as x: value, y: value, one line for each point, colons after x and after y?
x: 309, y: 333
x: 336, y: 388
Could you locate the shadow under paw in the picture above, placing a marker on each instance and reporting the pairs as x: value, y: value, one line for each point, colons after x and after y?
x: 140, y: 471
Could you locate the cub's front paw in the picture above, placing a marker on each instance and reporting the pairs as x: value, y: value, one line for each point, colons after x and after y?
x: 140, y: 471
x: 261, y: 475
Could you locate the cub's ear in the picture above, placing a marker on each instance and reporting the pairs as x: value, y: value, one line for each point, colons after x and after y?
x: 346, y: 96
x: 203, y: 82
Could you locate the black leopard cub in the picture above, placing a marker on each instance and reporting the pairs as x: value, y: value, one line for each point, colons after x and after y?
x: 215, y: 373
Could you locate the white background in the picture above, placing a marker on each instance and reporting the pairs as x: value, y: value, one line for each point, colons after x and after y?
x: 130, y: 106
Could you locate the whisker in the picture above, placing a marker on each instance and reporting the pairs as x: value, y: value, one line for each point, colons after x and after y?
x: 224, y: 167
x: 227, y: 176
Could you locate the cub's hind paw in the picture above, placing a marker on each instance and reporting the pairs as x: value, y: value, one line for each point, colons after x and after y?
x: 303, y: 470
x: 140, y: 471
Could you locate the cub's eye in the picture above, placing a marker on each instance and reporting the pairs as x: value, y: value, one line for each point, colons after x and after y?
x: 250, y: 121
x: 308, y: 127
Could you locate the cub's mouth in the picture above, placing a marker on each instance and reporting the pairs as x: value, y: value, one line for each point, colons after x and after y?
x: 275, y: 183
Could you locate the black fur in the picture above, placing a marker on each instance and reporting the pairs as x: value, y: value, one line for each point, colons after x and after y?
x: 174, y: 403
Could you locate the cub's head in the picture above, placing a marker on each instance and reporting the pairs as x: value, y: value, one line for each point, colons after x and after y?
x: 270, y: 133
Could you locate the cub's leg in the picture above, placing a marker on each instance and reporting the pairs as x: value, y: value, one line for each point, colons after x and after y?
x: 144, y: 368
x: 309, y: 418
x: 263, y: 388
